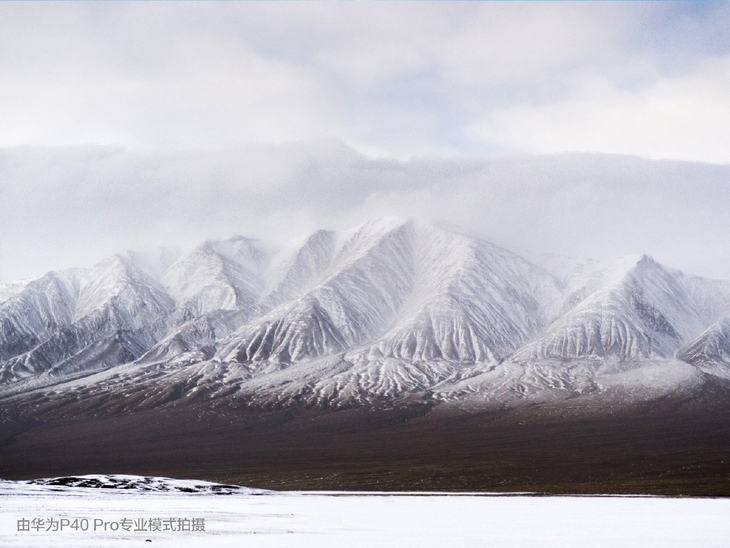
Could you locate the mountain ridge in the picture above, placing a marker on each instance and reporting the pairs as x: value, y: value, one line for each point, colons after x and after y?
x: 390, y: 309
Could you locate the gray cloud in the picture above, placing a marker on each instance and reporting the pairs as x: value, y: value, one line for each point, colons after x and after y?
x: 177, y: 93
x: 68, y: 206
x: 387, y: 78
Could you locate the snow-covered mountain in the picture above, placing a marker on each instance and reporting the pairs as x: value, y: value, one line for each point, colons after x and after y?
x: 632, y: 308
x: 224, y: 275
x: 390, y: 309
x: 710, y: 350
x: 82, y: 320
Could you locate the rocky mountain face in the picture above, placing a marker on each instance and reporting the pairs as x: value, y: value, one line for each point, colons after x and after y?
x: 710, y: 350
x: 389, y: 310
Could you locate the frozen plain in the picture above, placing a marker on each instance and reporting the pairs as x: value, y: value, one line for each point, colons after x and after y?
x: 292, y: 519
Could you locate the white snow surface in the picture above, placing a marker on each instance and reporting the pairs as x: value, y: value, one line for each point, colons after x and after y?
x: 84, y: 483
x: 307, y: 519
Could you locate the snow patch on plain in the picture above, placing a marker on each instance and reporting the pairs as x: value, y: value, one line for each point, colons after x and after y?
x: 365, y: 520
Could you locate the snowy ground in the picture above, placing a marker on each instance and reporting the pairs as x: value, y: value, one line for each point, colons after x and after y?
x: 253, y: 518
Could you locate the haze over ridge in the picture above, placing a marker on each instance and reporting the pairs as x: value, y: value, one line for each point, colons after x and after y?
x: 65, y: 207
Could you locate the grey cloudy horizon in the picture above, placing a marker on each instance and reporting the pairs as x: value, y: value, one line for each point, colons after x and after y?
x: 393, y: 79
x: 65, y: 207
x: 128, y: 125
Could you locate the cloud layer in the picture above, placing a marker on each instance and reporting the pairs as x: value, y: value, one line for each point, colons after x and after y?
x: 64, y: 207
x: 387, y: 78
x: 131, y: 124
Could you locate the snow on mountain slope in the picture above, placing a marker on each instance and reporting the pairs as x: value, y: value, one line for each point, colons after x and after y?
x: 361, y: 292
x: 710, y: 351
x: 196, y: 339
x: 121, y: 293
x: 119, y: 347
x: 299, y: 271
x: 116, y: 311
x: 471, y: 302
x: 633, y: 309
x: 223, y: 275
x: 44, y: 305
x: 390, y: 309
x: 600, y: 384
x: 405, y: 291
x: 72, y: 316
x: 235, y: 287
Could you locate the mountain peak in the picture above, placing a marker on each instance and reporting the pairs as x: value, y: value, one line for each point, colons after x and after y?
x: 389, y: 307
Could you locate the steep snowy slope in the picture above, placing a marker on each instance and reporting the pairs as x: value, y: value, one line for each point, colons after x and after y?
x: 471, y: 301
x: 389, y: 308
x: 299, y: 270
x: 222, y: 275
x: 361, y: 292
x: 210, y: 273
x: 392, y: 309
x: 43, y: 306
x: 215, y: 288
x: 634, y: 308
x: 196, y: 339
x: 83, y: 320
x: 396, y: 289
x: 710, y: 351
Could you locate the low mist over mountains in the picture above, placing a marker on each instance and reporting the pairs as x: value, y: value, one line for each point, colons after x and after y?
x: 391, y: 310
x: 583, y: 205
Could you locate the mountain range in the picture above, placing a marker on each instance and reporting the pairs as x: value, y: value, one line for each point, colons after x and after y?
x: 391, y: 311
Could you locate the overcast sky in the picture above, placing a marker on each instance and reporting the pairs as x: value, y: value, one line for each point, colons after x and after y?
x: 124, y: 124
